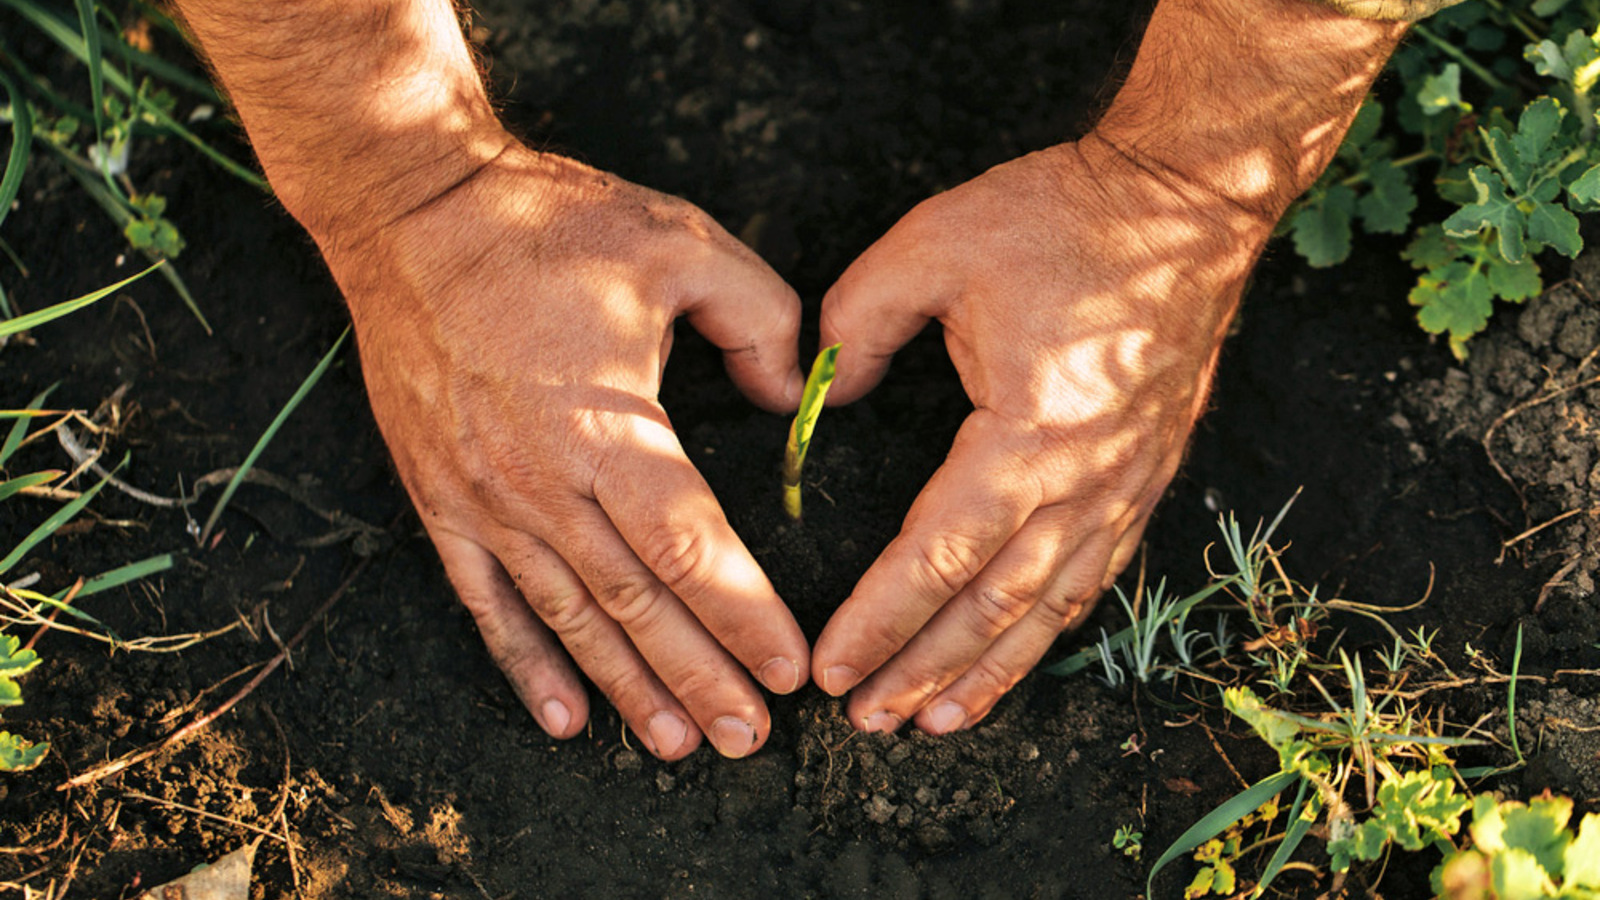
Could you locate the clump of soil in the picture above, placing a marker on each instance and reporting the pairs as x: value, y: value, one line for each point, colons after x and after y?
x: 1531, y: 396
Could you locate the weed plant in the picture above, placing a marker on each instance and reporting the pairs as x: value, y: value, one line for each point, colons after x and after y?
x: 1360, y: 765
x: 1482, y: 150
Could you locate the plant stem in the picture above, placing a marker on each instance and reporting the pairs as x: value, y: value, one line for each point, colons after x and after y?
x: 1456, y: 53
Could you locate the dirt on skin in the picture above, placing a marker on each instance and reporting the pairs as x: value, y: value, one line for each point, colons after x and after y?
x: 400, y: 764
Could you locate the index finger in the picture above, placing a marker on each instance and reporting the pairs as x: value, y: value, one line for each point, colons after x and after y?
x: 969, y: 509
x: 666, y: 513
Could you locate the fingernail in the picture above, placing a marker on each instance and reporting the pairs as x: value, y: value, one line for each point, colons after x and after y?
x: 666, y: 733
x: 780, y: 675
x: 556, y: 716
x: 946, y: 717
x: 883, y: 720
x: 733, y: 737
x: 839, y: 679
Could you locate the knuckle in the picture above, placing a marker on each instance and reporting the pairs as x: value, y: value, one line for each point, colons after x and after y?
x: 992, y: 678
x: 995, y: 608
x: 948, y: 563
x: 635, y: 600
x: 682, y: 558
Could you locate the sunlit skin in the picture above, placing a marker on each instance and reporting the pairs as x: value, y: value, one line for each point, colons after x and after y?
x: 514, y: 311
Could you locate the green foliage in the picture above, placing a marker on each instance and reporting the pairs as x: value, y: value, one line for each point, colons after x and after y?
x: 1510, y: 192
x: 1523, y: 850
x: 1130, y: 842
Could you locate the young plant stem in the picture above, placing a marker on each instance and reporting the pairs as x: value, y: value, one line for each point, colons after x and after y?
x: 1456, y: 53
x: 805, y: 421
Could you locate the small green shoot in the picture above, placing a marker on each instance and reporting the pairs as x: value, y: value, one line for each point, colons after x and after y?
x: 805, y: 421
x: 267, y: 436
x: 1130, y: 842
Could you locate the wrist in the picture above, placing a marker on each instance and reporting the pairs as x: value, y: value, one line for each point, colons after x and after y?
x: 358, y: 110
x: 1246, y: 100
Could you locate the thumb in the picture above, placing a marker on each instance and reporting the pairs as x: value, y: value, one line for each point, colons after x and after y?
x: 754, y: 317
x: 886, y: 296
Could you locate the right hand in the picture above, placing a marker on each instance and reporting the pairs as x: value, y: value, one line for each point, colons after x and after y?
x: 513, y: 333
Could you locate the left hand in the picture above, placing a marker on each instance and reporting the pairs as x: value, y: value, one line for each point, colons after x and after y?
x: 1084, y: 299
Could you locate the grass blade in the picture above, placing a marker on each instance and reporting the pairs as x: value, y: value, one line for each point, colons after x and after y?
x: 121, y: 575
x: 1081, y: 660
x: 805, y: 422
x: 269, y: 434
x: 1511, y: 697
x: 1215, y: 822
x: 51, y: 313
x: 10, y: 488
x: 92, y: 57
x: 21, y: 143
x: 1292, y: 836
x: 19, y: 428
x: 53, y: 524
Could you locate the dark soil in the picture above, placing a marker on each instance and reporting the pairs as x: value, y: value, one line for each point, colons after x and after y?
x: 403, y: 765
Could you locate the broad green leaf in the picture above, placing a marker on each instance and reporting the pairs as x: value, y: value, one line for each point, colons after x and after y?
x: 1321, y: 228
x: 1488, y: 828
x: 1506, y: 160
x: 1362, y: 130
x: 1270, y: 725
x: 1387, y: 208
x: 1516, y: 875
x: 14, y: 662
x: 1537, y: 129
x: 1365, y: 842
x: 1587, y: 188
x: 1540, y: 828
x: 1582, y: 868
x: 1548, y: 8
x: 1548, y: 60
x: 1418, y: 809
x: 1463, y: 874
x: 17, y: 754
x: 1430, y: 249
x: 1454, y: 299
x: 1551, y: 224
x: 1493, y: 209
x: 10, y: 692
x: 1442, y: 91
x: 1514, y: 282
x: 1583, y: 57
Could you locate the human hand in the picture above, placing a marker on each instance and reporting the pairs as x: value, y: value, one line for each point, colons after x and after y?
x: 513, y: 333
x: 1084, y: 299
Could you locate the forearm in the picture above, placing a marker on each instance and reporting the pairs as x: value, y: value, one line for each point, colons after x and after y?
x: 359, y: 110
x: 1246, y: 100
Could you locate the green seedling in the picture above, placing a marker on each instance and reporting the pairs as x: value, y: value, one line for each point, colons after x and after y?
x: 805, y: 421
x: 1130, y: 842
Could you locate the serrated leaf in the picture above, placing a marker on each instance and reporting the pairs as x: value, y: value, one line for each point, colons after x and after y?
x: 1517, y: 875
x: 1514, y: 282
x: 1363, y: 129
x: 1430, y: 249
x: 1455, y: 300
x: 1582, y: 869
x: 1587, y: 188
x: 1441, y: 91
x: 1551, y: 224
x: 1548, y: 60
x: 1365, y: 842
x: 1321, y: 229
x: 1272, y: 726
x: 1493, y: 209
x: 1540, y: 828
x: 1418, y: 809
x: 1504, y: 154
x: 1387, y: 208
x: 1536, y: 131
x: 18, y: 754
x: 1583, y: 57
x: 14, y: 661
